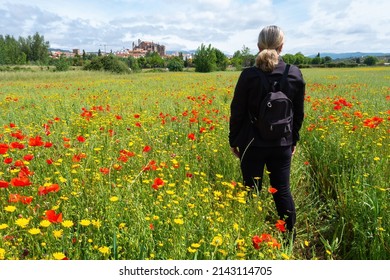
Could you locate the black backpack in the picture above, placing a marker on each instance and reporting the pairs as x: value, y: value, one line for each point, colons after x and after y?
x: 275, y: 116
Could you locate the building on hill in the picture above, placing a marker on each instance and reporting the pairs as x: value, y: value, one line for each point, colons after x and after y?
x: 141, y: 49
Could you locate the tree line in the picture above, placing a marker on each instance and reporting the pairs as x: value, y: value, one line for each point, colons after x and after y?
x: 34, y: 50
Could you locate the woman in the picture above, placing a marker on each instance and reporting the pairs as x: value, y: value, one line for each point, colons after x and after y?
x: 246, y: 143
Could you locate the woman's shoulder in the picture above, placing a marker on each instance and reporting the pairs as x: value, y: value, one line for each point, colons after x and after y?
x: 295, y: 73
x: 249, y: 72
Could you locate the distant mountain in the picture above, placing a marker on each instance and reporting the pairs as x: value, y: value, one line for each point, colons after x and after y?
x: 349, y: 55
x: 184, y: 52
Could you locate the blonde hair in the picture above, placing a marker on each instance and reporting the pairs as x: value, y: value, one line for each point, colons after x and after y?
x: 270, y: 41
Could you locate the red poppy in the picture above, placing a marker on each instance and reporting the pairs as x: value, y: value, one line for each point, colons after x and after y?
x: 24, y: 172
x: 49, y: 161
x: 272, y: 190
x: 8, y: 160
x: 48, y: 144
x: 78, y: 157
x: 81, y: 139
x: 147, y: 149
x: 104, y: 170
x: 158, y: 182
x: 19, y: 163
x: 53, y: 217
x: 17, y: 145
x: 13, y: 197
x: 28, y: 157
x: 35, y: 141
x: 3, y: 148
x: 372, y: 122
x: 123, y: 158
x: 191, y: 136
x: 20, y: 198
x: 42, y: 190
x: 4, y: 184
x: 25, y: 199
x: 280, y: 225
x: 21, y: 182
x: 256, y: 240
x: 118, y: 117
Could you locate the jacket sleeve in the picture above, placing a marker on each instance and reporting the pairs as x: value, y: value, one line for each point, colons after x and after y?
x: 298, y: 102
x: 238, y: 111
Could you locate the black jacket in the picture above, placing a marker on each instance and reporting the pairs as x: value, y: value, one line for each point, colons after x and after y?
x: 247, y: 97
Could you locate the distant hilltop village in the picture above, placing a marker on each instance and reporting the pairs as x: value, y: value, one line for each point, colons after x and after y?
x: 142, y: 49
x: 139, y: 49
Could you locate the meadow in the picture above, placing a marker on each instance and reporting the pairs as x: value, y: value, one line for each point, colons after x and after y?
x: 102, y: 166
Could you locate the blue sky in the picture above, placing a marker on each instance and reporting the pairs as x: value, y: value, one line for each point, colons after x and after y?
x: 310, y: 26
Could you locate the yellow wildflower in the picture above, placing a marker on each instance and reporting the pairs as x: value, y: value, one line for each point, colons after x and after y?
x: 179, y: 221
x: 34, y: 231
x: 59, y: 256
x: 2, y: 254
x: 85, y: 223
x: 22, y: 222
x: 3, y: 226
x: 67, y: 223
x: 191, y: 250
x: 104, y: 250
x: 217, y: 241
x: 58, y: 233
x: 114, y: 198
x: 96, y: 223
x: 10, y: 208
x: 44, y: 223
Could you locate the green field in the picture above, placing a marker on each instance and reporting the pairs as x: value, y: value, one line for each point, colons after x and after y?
x: 103, y: 166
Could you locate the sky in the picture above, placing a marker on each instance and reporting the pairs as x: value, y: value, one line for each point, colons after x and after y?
x: 310, y: 26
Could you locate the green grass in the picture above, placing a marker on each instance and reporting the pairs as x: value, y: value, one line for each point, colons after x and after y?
x: 183, y: 199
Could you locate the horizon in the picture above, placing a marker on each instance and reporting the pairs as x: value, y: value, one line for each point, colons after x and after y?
x: 310, y: 26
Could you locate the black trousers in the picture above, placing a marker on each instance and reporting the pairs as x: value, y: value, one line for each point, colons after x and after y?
x: 277, y: 160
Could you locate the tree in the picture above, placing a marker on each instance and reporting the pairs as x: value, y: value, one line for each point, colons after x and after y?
x: 289, y: 58
x: 236, y: 60
x: 10, y: 52
x: 205, y: 59
x: 247, y: 58
x: 108, y: 63
x: 221, y: 60
x: 370, y: 60
x: 299, y: 58
x: 62, y: 64
x: 154, y: 60
x: 175, y: 64
x: 317, y: 60
x: 327, y: 59
x: 133, y: 64
x: 39, y: 49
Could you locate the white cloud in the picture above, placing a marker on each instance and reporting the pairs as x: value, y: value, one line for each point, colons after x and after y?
x: 310, y: 26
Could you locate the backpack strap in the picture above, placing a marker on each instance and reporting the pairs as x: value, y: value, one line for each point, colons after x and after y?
x: 282, y: 81
x: 285, y: 75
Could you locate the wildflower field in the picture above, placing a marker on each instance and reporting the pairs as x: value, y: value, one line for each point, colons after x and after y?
x: 103, y: 166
